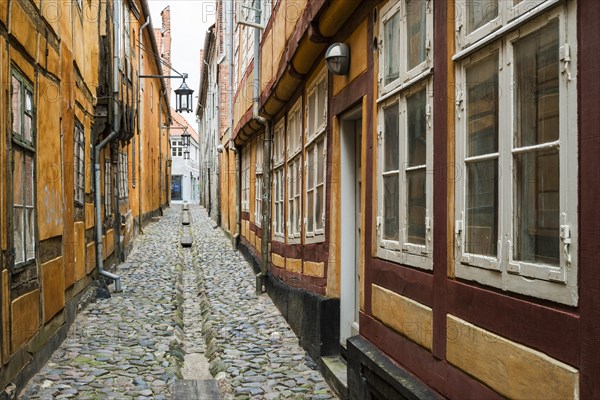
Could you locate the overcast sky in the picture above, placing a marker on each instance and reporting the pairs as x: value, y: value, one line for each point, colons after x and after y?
x: 190, y: 19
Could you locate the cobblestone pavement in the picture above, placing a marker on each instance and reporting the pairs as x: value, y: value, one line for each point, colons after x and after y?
x: 180, y: 304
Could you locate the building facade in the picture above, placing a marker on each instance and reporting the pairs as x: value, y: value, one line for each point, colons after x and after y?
x: 81, y: 162
x: 185, y: 171
x: 426, y: 218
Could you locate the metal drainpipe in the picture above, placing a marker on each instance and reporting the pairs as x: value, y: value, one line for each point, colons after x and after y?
x: 140, y: 176
x: 238, y: 164
x: 266, y: 202
x: 97, y: 148
x: 99, y: 260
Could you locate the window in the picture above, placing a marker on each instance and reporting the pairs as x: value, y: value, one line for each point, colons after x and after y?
x: 316, y: 156
x: 123, y: 178
x: 119, y: 32
x: 176, y: 147
x: 405, y: 140
x: 107, y: 189
x: 407, y: 32
x: 127, y: 39
x: 477, y: 19
x: 258, y: 182
x: 278, y: 180
x: 266, y: 9
x: 294, y: 172
x: 246, y: 179
x: 79, y: 164
x: 516, y: 202
x: 23, y: 135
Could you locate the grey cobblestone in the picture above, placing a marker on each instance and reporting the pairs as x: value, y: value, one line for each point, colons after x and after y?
x: 180, y: 304
x: 250, y: 343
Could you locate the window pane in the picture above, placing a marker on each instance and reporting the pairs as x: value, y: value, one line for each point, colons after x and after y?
x: 417, y: 128
x: 18, y: 235
x: 322, y: 104
x: 310, y: 204
x: 16, y: 105
x: 537, y: 73
x: 537, y: 207
x: 320, y: 162
x: 27, y: 132
x: 30, y: 234
x: 18, y: 171
x: 310, y: 180
x: 29, y: 180
x: 415, y: 26
x: 482, y: 208
x: 311, y: 112
x: 416, y: 206
x: 391, y: 198
x: 392, y: 49
x: 482, y: 107
x: 480, y: 12
x: 391, y: 143
x: 319, y: 207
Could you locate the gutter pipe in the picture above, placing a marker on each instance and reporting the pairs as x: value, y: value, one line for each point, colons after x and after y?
x: 266, y: 200
x: 99, y: 147
x: 238, y: 158
x: 139, y: 122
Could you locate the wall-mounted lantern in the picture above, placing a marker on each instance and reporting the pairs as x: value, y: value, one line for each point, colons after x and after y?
x: 337, y: 58
x: 185, y: 137
x: 183, y: 98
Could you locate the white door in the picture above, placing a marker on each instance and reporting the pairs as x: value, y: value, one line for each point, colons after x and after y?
x: 351, y: 133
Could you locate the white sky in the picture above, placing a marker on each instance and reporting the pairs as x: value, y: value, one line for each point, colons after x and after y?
x: 190, y: 19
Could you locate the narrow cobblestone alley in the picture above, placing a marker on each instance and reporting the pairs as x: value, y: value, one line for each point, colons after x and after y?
x: 178, y: 306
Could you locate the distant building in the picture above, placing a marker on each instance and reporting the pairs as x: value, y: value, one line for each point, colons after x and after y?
x: 185, y: 172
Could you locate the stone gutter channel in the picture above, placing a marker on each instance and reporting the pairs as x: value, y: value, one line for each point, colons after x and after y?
x: 196, y: 380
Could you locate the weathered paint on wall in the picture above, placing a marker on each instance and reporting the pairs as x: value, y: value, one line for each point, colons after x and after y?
x: 49, y: 182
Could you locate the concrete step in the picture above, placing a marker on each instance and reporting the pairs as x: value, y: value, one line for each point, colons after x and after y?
x: 193, y: 390
x: 186, y: 241
x: 335, y: 372
x: 185, y: 218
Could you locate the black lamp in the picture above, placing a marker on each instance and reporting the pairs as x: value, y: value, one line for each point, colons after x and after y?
x: 186, y: 154
x: 183, y: 97
x: 185, y: 136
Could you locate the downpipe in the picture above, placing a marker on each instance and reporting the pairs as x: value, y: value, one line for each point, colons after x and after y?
x: 97, y: 200
x: 139, y: 123
x: 98, y: 148
x: 238, y: 159
x: 266, y: 200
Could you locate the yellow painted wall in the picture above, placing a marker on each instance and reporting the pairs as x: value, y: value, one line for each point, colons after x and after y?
x: 513, y: 370
x: 49, y: 183
x: 53, y: 282
x: 359, y: 47
x: 25, y: 312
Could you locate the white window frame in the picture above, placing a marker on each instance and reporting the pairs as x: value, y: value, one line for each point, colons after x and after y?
x: 509, y: 17
x: 79, y: 164
x: 123, y: 176
x: 176, y: 147
x: 315, y: 133
x: 246, y: 179
x: 402, y: 251
x: 258, y: 181
x: 558, y: 284
x: 406, y: 77
x: 294, y: 171
x: 278, y: 189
